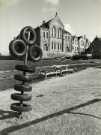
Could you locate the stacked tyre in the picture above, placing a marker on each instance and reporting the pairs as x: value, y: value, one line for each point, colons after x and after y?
x: 22, y: 89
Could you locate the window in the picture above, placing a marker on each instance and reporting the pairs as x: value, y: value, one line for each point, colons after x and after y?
x: 53, y: 31
x: 59, y: 33
x: 45, y: 47
x: 44, y: 35
x: 58, y: 46
x: 52, y: 45
x: 65, y: 37
x: 47, y: 34
x: 67, y: 49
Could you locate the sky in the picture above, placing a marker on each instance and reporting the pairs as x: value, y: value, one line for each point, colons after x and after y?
x: 79, y: 17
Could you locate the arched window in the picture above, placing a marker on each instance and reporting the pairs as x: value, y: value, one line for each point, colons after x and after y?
x: 45, y: 47
x: 53, y: 31
x: 47, y: 35
x: 52, y: 45
x: 59, y: 33
x: 44, y: 35
x: 58, y: 46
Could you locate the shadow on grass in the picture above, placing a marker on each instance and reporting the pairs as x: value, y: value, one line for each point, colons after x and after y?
x: 7, y: 114
x: 8, y: 130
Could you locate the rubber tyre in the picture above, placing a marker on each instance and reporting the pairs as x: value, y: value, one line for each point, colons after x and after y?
x: 25, y: 68
x: 19, y: 97
x: 14, y: 44
x: 20, y: 87
x: 23, y: 78
x: 25, y: 31
x: 20, y: 108
x: 35, y: 53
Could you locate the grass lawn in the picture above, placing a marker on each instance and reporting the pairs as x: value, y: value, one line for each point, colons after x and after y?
x: 70, y: 105
x: 8, y: 82
x: 10, y: 64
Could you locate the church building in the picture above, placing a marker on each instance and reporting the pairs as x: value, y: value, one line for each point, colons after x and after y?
x: 53, y: 38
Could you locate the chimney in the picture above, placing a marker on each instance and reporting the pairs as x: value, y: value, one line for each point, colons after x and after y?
x: 56, y: 14
x: 43, y: 22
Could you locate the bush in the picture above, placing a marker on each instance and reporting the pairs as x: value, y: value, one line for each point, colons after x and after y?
x: 75, y: 57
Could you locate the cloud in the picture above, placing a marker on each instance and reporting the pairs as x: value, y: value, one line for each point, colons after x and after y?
x: 53, y: 2
x: 51, y: 6
x: 50, y: 9
x: 6, y: 3
x: 98, y: 0
x: 68, y: 28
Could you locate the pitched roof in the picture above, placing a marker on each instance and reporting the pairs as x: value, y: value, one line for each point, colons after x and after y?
x: 45, y: 24
x: 98, y: 38
x: 74, y: 36
x: 79, y: 37
x: 67, y: 32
